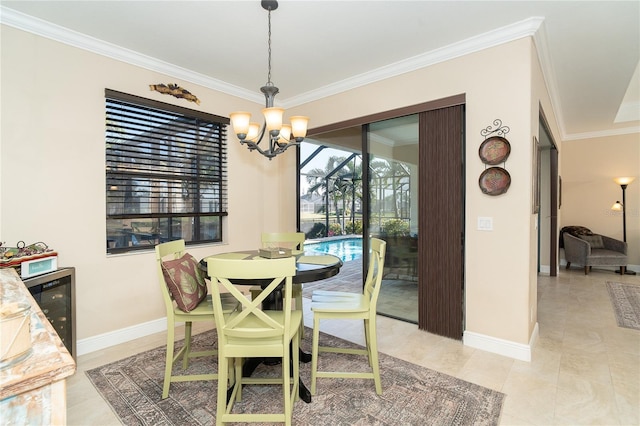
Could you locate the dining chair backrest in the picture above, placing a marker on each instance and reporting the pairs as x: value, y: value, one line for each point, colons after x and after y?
x: 176, y: 316
x: 292, y: 240
x: 251, y: 322
x: 375, y: 271
x: 175, y: 249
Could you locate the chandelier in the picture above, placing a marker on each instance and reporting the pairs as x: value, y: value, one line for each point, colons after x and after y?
x: 279, y: 135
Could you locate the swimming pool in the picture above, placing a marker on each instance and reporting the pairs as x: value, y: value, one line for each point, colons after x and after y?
x: 346, y: 249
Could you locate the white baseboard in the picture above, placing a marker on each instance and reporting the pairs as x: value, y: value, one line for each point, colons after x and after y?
x: 471, y: 339
x: 502, y: 347
x: 102, y: 341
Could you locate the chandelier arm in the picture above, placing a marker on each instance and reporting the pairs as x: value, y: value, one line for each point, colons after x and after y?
x: 261, y: 135
x: 254, y: 146
x: 275, y: 147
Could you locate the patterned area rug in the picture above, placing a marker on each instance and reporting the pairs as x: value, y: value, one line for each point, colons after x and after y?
x: 412, y: 395
x: 625, y: 299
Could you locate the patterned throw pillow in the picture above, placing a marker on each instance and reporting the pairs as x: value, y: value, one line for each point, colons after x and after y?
x: 595, y: 241
x: 185, y: 281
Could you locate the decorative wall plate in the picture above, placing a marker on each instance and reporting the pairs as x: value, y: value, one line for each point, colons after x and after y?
x: 494, y: 181
x: 494, y: 150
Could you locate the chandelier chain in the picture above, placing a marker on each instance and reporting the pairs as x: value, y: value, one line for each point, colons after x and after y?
x: 269, y: 63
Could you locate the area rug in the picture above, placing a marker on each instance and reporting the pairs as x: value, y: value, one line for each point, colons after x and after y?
x: 412, y: 395
x: 625, y: 299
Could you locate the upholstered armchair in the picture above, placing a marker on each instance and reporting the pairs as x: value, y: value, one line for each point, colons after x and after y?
x: 594, y: 250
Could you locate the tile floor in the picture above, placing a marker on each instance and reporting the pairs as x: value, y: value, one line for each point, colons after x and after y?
x: 585, y: 369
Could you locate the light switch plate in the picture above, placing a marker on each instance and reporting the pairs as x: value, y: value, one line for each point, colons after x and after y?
x: 485, y: 223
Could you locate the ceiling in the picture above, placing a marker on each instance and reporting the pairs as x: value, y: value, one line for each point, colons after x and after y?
x: 589, y: 50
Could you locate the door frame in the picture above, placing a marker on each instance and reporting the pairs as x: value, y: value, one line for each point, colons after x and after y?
x: 554, y: 191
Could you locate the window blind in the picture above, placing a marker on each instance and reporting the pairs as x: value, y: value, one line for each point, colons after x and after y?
x: 166, y: 171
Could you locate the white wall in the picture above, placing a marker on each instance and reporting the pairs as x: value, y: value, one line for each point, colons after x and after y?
x: 53, y: 174
x: 500, y: 282
x: 53, y: 133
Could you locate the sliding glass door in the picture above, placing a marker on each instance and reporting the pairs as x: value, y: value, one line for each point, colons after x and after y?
x: 397, y: 175
x: 393, y: 211
x: 332, y: 200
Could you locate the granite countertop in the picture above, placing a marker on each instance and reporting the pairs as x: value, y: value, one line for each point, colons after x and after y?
x: 49, y: 360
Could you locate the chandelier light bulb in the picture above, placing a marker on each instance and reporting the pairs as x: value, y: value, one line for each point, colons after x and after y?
x: 285, y: 134
x: 254, y: 132
x: 273, y: 118
x: 240, y: 121
x: 299, y: 126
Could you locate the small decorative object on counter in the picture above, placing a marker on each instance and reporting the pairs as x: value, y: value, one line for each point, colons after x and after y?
x: 29, y: 260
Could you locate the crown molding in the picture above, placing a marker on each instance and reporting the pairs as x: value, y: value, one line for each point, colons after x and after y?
x: 63, y: 35
x: 548, y: 74
x: 531, y: 27
x: 525, y: 28
x: 515, y: 31
x: 602, y: 134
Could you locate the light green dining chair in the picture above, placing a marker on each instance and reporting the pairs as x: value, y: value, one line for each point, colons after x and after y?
x: 351, y: 306
x: 165, y: 253
x: 254, y: 333
x: 295, y: 242
x: 290, y: 240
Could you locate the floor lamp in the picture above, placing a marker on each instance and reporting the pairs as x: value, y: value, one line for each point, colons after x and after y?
x: 623, y: 182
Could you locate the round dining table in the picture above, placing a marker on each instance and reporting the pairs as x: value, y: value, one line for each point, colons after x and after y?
x: 309, y: 267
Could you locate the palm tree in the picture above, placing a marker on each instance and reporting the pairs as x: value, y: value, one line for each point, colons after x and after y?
x: 339, y: 182
x: 349, y: 182
x: 321, y: 182
x: 340, y: 185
